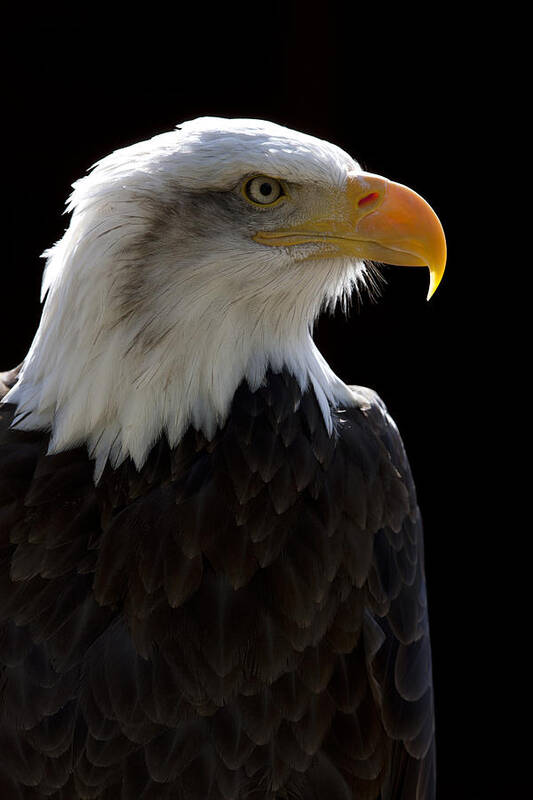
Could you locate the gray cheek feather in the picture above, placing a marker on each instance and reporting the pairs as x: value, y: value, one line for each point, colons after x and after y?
x: 195, y: 216
x: 193, y: 225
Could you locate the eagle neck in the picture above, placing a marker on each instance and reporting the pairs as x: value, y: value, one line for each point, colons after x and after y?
x: 120, y: 399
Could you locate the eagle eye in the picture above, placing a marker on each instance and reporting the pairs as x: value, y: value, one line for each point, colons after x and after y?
x: 263, y: 190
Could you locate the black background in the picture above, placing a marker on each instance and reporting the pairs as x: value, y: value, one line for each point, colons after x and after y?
x: 409, y: 101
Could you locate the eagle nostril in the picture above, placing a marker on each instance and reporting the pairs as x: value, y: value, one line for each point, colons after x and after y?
x: 367, y: 199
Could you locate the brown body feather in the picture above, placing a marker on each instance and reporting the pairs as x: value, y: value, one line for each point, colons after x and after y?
x: 243, y: 618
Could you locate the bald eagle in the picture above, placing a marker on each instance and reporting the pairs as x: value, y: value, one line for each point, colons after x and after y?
x: 211, y: 559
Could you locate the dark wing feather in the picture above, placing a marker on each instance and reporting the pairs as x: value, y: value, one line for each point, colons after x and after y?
x: 399, y: 666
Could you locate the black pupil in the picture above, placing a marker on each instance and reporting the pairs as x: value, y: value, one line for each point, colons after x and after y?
x: 265, y: 189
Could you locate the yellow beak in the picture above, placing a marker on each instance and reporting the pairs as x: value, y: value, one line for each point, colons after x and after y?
x: 376, y: 219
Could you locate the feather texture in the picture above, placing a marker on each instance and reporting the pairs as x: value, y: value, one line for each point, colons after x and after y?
x: 243, y: 617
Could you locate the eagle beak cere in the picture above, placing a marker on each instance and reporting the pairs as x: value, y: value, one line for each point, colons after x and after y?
x: 376, y: 219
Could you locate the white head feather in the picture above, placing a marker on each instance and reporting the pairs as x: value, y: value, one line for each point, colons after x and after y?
x: 158, y: 300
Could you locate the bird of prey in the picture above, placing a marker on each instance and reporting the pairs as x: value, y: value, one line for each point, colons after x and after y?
x: 211, y: 559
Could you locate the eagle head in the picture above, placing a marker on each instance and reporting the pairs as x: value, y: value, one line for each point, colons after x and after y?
x: 198, y: 259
